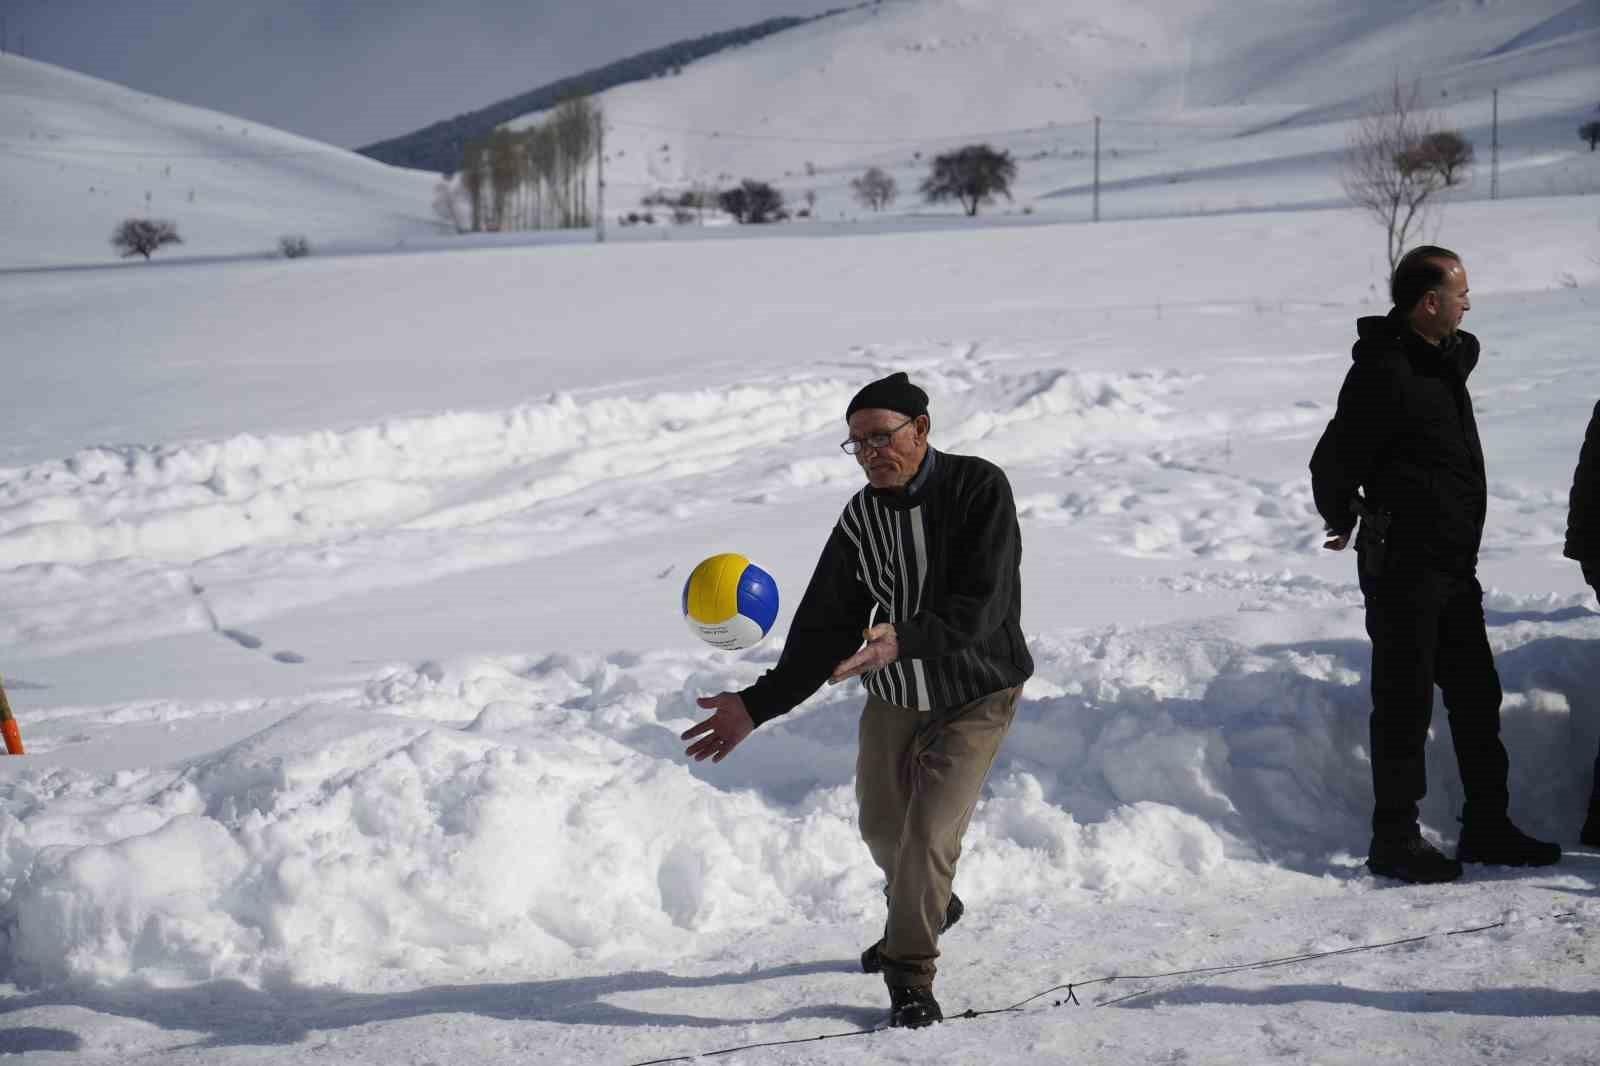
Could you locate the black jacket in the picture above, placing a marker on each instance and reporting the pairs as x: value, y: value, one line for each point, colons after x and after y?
x: 1583, y: 506
x: 1405, y: 435
x: 942, y: 562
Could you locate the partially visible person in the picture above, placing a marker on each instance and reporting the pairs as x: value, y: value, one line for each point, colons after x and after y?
x: 1404, y: 436
x: 1583, y: 544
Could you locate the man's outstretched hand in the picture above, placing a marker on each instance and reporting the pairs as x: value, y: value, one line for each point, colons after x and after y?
x: 721, y: 733
x: 881, y: 649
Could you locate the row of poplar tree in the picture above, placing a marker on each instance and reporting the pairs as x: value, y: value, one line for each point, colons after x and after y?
x: 536, y: 178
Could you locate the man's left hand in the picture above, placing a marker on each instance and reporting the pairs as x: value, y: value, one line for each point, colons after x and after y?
x: 881, y: 649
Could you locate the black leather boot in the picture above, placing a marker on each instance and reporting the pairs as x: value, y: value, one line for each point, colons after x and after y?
x: 912, y: 1008
x: 1499, y: 843
x: 1410, y: 858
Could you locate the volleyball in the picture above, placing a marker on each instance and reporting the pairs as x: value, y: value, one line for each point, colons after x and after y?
x: 730, y: 602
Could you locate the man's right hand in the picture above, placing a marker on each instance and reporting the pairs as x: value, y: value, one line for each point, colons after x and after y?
x: 1336, y: 541
x: 723, y: 731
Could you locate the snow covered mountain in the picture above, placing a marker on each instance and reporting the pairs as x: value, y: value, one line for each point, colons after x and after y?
x: 1206, y: 104
x: 78, y: 155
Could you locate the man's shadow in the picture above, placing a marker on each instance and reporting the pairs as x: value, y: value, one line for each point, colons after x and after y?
x: 231, y: 1013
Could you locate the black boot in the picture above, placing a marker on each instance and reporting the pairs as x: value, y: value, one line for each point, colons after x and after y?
x: 1410, y: 858
x: 1499, y: 843
x: 1591, y: 825
x: 912, y: 1008
x: 872, y: 962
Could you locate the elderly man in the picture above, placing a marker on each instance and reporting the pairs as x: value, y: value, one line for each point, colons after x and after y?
x: 1404, y: 433
x: 924, y: 563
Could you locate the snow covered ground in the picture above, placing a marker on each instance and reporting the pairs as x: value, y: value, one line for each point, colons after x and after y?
x: 340, y: 612
x: 339, y: 603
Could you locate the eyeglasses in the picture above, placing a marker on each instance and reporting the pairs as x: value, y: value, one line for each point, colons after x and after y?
x: 875, y: 441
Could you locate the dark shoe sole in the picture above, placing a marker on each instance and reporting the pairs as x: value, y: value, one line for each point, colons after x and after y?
x: 1491, y: 860
x: 1439, y: 877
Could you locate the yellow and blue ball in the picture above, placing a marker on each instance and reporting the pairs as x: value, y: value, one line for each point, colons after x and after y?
x: 730, y: 602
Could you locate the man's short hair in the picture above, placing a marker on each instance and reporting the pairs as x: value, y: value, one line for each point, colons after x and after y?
x: 1419, y: 270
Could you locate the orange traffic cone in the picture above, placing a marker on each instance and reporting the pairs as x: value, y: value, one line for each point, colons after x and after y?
x: 8, y: 726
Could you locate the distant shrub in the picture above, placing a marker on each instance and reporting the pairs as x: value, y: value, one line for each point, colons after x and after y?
x: 294, y: 247
x: 1590, y: 131
x: 875, y: 189
x: 142, y: 236
x: 753, y: 202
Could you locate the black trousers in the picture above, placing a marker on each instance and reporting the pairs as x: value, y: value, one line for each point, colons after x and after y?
x: 1427, y: 629
x: 1591, y: 574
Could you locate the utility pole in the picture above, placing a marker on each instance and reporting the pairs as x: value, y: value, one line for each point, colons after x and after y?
x: 1494, y: 150
x: 1096, y: 217
x: 600, y: 169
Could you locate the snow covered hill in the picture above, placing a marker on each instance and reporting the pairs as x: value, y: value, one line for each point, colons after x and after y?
x: 79, y: 155
x: 1207, y: 105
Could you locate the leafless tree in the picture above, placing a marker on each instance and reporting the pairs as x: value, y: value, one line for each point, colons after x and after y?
x: 875, y: 189
x: 1590, y: 131
x: 1447, y: 152
x: 1388, y: 172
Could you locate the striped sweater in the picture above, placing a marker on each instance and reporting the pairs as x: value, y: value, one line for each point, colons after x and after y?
x: 940, y: 560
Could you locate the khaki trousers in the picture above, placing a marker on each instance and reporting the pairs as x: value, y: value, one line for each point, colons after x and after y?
x: 918, y: 776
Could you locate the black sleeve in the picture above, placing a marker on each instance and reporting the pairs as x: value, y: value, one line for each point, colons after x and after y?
x: 1346, y: 455
x: 980, y: 593
x: 1583, y: 538
x: 826, y: 630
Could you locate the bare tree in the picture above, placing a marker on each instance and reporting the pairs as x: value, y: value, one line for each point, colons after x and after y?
x: 1447, y: 152
x: 875, y: 189
x: 1389, y: 174
x: 142, y: 236
x: 1590, y: 131
x: 973, y: 175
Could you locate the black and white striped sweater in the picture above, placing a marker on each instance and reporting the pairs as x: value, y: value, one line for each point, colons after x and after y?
x: 940, y: 560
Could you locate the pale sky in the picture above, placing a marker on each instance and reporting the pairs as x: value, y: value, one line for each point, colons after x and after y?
x: 352, y: 72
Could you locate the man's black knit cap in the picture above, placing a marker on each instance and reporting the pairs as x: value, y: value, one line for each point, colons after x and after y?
x: 893, y: 393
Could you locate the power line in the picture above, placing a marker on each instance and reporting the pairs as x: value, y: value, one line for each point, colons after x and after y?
x: 1551, y: 99
x: 867, y: 142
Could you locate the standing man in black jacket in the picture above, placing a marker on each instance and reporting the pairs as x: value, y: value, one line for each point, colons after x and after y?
x: 1583, y: 544
x: 1404, y: 433
x: 925, y: 563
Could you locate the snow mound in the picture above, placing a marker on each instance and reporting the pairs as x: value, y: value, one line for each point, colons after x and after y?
x: 530, y: 816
